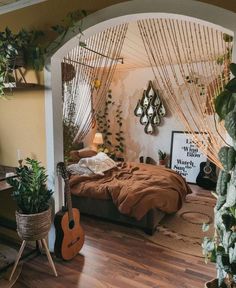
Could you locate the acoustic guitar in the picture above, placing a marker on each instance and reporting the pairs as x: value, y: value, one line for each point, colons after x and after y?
x: 207, y: 177
x: 69, y: 233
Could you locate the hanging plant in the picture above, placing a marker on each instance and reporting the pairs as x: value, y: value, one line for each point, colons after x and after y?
x: 28, y: 49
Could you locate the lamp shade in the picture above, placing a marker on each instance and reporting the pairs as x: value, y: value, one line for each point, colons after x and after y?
x: 98, y: 139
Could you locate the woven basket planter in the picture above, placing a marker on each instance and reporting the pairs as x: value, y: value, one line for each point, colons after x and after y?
x: 32, y: 227
x: 68, y: 71
x: 17, y: 61
x: 212, y: 284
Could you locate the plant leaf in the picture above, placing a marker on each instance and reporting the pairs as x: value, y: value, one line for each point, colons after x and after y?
x: 232, y: 68
x: 222, y: 104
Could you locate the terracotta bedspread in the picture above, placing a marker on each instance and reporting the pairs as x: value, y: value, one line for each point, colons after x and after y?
x: 135, y: 188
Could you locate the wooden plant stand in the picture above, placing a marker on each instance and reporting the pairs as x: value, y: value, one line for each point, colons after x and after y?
x: 34, y: 227
x: 41, y: 243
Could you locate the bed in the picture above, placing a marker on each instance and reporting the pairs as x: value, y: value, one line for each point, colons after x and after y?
x: 131, y: 193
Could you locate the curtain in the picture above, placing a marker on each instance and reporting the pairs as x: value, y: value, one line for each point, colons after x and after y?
x: 190, y: 64
x: 94, y: 62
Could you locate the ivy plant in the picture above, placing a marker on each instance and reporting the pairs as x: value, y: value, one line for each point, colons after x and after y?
x: 113, y: 136
x: 221, y: 248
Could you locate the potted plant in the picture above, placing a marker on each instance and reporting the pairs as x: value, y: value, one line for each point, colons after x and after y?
x: 28, y: 49
x: 162, y: 157
x: 221, y: 248
x: 19, y: 50
x: 33, y: 216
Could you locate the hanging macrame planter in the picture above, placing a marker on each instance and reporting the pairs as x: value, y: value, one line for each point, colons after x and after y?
x: 67, y: 71
x: 150, y: 109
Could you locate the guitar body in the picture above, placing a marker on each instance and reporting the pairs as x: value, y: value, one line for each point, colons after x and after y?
x: 207, y: 177
x: 69, y: 234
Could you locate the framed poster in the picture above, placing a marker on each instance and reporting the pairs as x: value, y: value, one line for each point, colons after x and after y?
x: 185, y: 156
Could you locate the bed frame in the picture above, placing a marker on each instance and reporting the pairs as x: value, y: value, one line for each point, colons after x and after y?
x: 106, y: 209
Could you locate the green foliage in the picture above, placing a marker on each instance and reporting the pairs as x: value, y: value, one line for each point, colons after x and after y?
x: 222, y: 247
x: 30, y: 191
x: 20, y: 49
x: 227, y: 157
x: 104, y: 126
x: 230, y: 124
x: 162, y: 155
x: 70, y: 129
x: 225, y: 103
x: 28, y: 49
x: 69, y: 23
x: 223, y: 179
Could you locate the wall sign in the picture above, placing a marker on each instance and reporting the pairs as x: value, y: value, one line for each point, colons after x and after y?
x: 185, y: 156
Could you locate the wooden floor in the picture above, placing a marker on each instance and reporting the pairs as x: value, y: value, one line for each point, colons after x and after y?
x: 116, y: 256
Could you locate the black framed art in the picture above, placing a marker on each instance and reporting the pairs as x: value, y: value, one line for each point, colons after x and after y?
x: 185, y: 156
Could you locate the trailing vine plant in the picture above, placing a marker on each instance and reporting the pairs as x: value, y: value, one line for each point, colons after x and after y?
x: 29, y: 49
x: 221, y: 248
x: 119, y: 147
x: 113, y: 136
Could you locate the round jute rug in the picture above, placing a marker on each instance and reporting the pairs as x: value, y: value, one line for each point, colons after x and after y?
x: 182, y: 231
x: 7, y: 257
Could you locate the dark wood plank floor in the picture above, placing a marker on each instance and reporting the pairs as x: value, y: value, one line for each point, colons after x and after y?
x: 116, y: 256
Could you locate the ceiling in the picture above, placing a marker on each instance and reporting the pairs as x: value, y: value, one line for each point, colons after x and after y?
x: 135, y: 56
x: 173, y: 41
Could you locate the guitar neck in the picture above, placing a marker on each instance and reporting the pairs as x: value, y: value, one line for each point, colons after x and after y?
x: 68, y: 199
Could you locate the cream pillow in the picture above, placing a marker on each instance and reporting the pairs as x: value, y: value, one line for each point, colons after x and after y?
x: 99, y: 163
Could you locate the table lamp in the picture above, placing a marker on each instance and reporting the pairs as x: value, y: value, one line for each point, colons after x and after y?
x: 97, y: 140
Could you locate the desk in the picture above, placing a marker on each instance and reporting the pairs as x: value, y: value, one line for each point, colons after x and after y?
x: 4, y: 186
x: 5, y: 195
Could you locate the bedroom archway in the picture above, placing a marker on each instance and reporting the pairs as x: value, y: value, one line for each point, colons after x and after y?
x: 94, y: 23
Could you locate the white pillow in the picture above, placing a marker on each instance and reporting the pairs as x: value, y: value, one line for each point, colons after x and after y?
x: 77, y: 169
x: 98, y: 163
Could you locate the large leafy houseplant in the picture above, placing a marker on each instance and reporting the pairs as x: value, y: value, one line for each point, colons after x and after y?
x: 221, y: 249
x: 30, y: 190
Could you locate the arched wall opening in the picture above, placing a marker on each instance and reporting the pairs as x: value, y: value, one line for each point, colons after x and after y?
x: 95, y: 23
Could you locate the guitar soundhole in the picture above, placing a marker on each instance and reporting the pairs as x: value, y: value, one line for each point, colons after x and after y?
x: 207, y: 170
x: 71, y: 224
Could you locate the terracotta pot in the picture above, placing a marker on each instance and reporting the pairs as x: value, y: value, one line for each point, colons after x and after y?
x: 162, y: 162
x: 212, y: 284
x: 32, y: 227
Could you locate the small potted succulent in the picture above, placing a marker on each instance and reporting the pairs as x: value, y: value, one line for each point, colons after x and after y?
x: 33, y: 216
x: 162, y: 157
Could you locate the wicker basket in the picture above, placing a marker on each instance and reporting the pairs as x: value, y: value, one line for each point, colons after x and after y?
x: 68, y: 71
x: 31, y: 227
x: 212, y: 284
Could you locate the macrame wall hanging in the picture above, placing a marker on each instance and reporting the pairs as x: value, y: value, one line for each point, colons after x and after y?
x: 150, y: 109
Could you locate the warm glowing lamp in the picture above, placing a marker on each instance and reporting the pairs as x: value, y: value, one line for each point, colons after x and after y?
x: 97, y: 140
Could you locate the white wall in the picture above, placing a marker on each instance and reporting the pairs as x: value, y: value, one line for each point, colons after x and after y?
x: 127, y: 87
